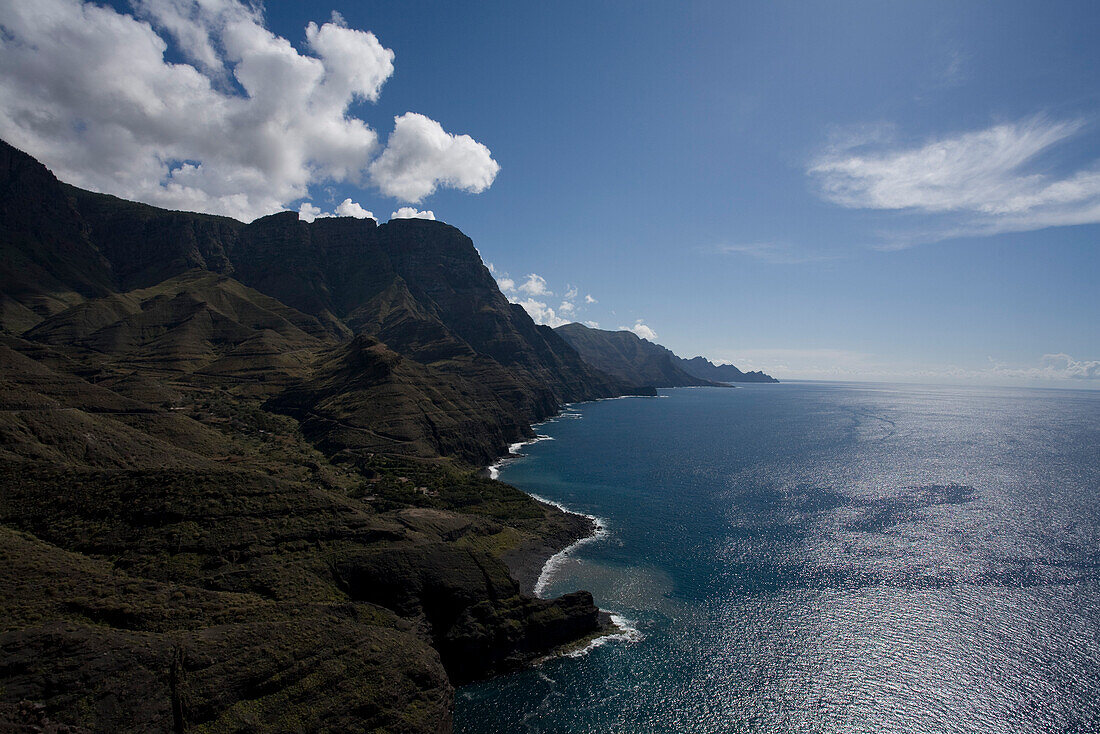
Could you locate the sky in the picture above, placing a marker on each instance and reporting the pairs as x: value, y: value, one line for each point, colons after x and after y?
x: 844, y: 190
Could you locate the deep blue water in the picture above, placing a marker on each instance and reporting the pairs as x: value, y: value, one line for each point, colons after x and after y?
x: 824, y: 557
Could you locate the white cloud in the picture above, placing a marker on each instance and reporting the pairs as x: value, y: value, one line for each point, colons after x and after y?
x: 541, y: 313
x: 641, y: 330
x: 592, y: 324
x: 590, y: 300
x: 774, y: 253
x: 535, y: 285
x: 308, y: 212
x: 1053, y: 367
x: 420, y: 155
x: 983, y: 182
x: 504, y: 283
x: 532, y: 293
x: 411, y: 212
x: 349, y: 208
x: 247, y: 126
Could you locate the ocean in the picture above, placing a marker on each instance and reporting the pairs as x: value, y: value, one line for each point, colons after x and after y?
x: 822, y: 557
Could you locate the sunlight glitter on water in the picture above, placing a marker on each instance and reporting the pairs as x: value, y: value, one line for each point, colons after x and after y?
x: 825, y: 557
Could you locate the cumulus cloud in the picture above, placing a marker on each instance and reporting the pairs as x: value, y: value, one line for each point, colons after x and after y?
x: 531, y: 293
x: 983, y: 182
x: 309, y: 211
x: 245, y: 127
x: 590, y: 300
x: 535, y: 285
x: 641, y: 330
x: 411, y: 212
x: 420, y: 155
x: 592, y: 324
x: 349, y: 208
x: 541, y: 313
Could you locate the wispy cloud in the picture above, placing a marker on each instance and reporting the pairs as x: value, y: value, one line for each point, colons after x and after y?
x: 842, y: 364
x: 775, y: 253
x: 978, y: 183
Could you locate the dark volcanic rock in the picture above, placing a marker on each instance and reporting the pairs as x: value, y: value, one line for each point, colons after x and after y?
x: 238, y: 468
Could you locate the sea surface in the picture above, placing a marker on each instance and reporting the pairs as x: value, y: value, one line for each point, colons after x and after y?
x: 822, y: 557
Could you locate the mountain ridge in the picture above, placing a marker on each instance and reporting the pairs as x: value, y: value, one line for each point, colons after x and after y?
x: 629, y: 357
x: 261, y: 432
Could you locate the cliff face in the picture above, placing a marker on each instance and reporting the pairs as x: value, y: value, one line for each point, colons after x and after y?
x: 639, y: 361
x: 239, y: 482
x: 625, y: 355
x: 705, y: 369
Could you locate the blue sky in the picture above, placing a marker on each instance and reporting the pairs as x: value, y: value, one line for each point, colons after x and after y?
x: 867, y: 190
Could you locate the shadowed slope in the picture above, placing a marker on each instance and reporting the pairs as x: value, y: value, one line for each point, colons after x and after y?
x: 238, y: 484
x: 627, y: 356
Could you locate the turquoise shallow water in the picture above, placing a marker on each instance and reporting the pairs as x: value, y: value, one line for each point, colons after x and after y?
x: 816, y: 557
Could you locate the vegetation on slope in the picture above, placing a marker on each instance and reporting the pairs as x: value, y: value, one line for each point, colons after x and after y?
x: 239, y: 487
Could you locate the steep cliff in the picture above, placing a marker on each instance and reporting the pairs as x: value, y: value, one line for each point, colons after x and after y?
x: 704, y: 369
x: 239, y: 485
x: 640, y: 361
x: 628, y: 357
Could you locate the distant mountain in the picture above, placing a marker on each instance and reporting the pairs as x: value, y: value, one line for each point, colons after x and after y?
x: 705, y: 369
x: 630, y: 358
x: 627, y: 356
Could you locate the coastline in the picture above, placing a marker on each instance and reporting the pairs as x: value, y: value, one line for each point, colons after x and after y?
x: 533, y: 565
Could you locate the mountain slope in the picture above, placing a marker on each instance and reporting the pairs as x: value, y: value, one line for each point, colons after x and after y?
x: 633, y: 359
x: 705, y: 369
x: 418, y: 286
x: 239, y: 483
x: 629, y: 357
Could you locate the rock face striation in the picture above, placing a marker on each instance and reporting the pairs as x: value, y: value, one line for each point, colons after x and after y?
x: 238, y: 468
x: 633, y: 359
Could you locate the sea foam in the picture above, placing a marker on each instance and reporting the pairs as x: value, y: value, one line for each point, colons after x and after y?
x: 627, y: 632
x: 556, y: 560
x: 513, y: 452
